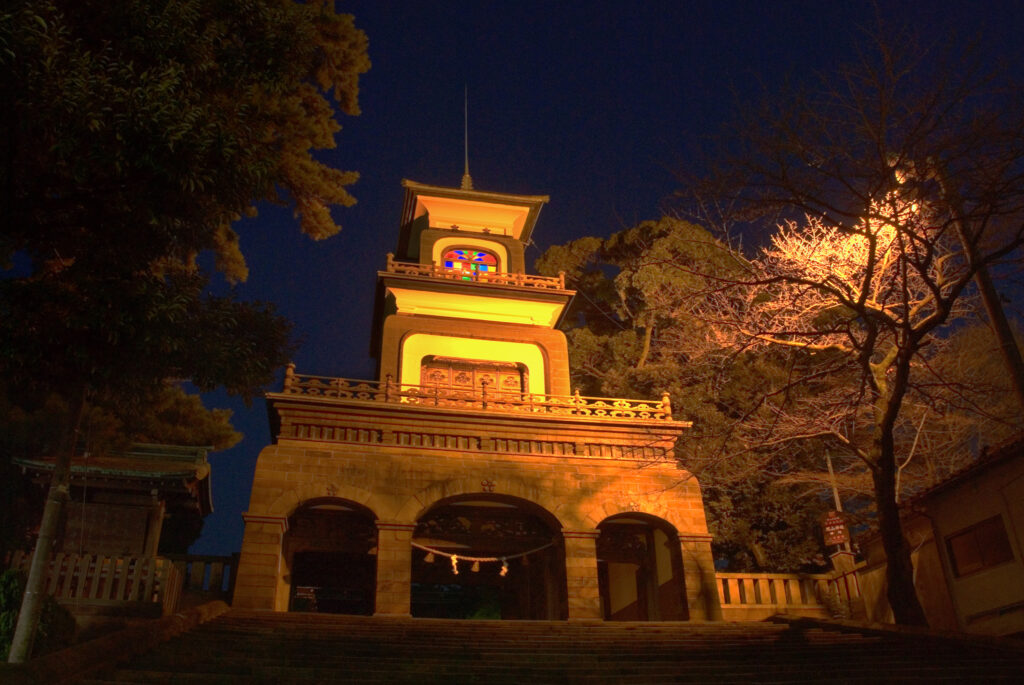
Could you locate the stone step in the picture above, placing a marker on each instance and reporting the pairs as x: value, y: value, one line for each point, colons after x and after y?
x: 259, y: 647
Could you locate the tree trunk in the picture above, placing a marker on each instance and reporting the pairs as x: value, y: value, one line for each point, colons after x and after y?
x: 899, y: 572
x: 32, y: 600
x: 646, y: 349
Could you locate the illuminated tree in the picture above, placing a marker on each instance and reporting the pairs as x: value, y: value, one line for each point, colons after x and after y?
x: 869, y: 298
x: 899, y: 182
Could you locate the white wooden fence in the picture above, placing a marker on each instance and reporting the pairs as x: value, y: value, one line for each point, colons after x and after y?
x: 97, y: 579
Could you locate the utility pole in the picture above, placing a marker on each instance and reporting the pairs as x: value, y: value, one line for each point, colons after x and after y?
x: 986, y: 288
x: 32, y: 600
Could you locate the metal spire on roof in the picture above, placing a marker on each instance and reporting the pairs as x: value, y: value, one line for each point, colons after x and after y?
x: 467, y: 180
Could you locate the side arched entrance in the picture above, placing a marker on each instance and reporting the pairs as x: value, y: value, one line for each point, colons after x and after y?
x: 640, y: 569
x: 330, y: 549
x: 488, y: 556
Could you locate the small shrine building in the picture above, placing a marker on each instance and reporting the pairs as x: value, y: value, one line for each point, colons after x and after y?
x: 468, y: 480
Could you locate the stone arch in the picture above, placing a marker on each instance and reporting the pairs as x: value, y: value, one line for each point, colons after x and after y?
x: 488, y: 555
x: 420, y: 503
x: 290, y: 500
x: 329, y: 552
x: 659, y: 505
x: 476, y: 242
x: 640, y: 568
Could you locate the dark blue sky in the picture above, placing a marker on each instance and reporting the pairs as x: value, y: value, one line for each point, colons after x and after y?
x: 592, y: 103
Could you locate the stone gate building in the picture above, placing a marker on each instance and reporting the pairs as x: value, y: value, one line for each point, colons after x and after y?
x: 468, y: 480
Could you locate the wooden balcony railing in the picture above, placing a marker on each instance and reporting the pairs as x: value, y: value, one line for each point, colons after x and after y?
x: 485, y: 398
x: 103, y: 580
x: 495, y: 277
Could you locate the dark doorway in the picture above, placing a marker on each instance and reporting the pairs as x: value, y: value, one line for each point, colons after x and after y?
x: 333, y: 583
x: 488, y: 534
x: 640, y: 570
x: 331, y: 546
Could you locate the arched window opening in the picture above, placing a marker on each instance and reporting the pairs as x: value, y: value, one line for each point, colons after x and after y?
x: 640, y: 570
x: 469, y: 262
x: 488, y: 557
x: 331, y: 550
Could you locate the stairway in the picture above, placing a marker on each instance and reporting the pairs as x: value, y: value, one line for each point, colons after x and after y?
x: 257, y: 647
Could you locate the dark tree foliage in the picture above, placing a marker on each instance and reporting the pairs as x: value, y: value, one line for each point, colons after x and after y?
x: 136, y: 133
x: 134, y: 136
x: 139, y: 131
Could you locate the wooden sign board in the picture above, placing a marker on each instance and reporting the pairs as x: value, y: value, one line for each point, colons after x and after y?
x: 834, y: 528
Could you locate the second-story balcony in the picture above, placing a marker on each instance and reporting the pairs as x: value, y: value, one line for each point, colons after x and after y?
x: 484, y: 398
x: 491, y: 277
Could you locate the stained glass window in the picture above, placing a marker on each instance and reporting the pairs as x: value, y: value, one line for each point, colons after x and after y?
x: 469, y: 261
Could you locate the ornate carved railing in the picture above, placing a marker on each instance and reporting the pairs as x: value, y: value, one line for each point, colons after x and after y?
x: 485, y: 398
x: 500, y: 278
x: 101, y: 580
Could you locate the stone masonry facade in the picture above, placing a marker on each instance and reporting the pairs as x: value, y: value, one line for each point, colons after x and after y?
x: 410, y: 458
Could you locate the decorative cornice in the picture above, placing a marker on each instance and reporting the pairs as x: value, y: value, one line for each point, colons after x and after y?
x: 266, y: 519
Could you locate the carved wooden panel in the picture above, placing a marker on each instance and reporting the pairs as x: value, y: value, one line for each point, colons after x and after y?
x: 465, y: 377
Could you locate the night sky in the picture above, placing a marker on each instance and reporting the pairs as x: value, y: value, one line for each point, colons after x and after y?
x: 593, y: 103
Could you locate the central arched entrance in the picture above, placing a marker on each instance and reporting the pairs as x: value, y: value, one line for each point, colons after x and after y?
x: 488, y: 556
x: 331, y: 549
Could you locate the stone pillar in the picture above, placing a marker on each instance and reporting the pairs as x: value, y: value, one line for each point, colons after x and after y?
x: 699, y: 574
x: 394, y: 568
x: 260, y: 566
x: 581, y: 574
x: 842, y: 561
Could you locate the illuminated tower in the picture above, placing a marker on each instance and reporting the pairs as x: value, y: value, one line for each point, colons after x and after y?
x: 468, y: 479
x: 458, y: 311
